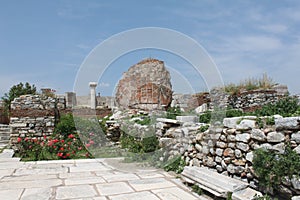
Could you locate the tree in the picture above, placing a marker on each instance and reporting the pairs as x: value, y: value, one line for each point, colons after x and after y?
x: 16, y: 91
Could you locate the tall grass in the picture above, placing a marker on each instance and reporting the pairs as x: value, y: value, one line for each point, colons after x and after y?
x: 264, y: 82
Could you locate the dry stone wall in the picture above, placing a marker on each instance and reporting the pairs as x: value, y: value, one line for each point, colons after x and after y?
x: 229, y: 150
x: 34, y: 116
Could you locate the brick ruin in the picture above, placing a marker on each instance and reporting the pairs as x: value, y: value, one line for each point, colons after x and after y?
x: 146, y: 85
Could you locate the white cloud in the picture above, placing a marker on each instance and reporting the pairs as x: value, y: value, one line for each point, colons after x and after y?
x: 103, y: 84
x: 274, y: 28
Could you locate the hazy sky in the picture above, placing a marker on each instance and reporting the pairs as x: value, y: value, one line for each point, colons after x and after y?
x: 46, y: 42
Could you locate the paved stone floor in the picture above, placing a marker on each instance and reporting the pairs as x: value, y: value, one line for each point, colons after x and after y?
x: 99, y: 179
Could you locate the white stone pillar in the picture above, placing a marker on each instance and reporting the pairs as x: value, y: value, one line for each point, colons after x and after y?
x: 93, y: 86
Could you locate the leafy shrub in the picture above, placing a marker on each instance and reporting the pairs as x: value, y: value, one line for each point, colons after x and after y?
x: 234, y: 113
x: 139, y: 145
x: 65, y: 125
x: 204, y: 128
x: 172, y: 112
x: 284, y: 107
x: 176, y: 164
x: 205, y: 117
x: 51, y: 148
x: 272, y: 167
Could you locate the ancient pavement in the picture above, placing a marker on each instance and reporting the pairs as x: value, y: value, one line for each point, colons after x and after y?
x: 99, y: 179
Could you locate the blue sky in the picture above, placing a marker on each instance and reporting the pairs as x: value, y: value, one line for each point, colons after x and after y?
x: 45, y: 42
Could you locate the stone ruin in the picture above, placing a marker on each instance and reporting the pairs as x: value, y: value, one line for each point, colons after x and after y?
x: 146, y: 86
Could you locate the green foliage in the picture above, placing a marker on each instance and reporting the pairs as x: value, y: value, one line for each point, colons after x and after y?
x: 260, y: 122
x: 66, y: 125
x: 265, y: 197
x: 176, y: 164
x: 204, y: 128
x: 16, y: 91
x: 229, y: 196
x: 172, y: 112
x: 145, y: 121
x: 270, y: 121
x: 205, y: 117
x: 51, y: 148
x: 139, y: 145
x: 285, y: 107
x: 234, y: 113
x: 197, y: 189
x: 272, y: 167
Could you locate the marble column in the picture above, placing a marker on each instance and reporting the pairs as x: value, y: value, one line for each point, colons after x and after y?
x: 93, y: 86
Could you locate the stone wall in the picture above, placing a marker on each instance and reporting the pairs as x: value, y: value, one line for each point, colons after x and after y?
x: 34, y: 116
x: 247, y: 100
x: 229, y: 150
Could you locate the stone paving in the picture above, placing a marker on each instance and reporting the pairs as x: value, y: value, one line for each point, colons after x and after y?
x: 98, y: 179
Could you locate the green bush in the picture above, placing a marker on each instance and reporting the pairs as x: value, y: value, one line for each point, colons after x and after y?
x: 176, y: 164
x: 172, y: 112
x: 234, y: 113
x: 204, y: 128
x: 65, y: 125
x: 205, y: 117
x: 285, y: 107
x: 139, y: 145
x: 272, y: 167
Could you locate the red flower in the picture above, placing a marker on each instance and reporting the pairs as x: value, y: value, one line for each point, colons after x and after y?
x: 67, y: 154
x: 88, y: 145
x: 92, y: 142
x: 61, y: 149
x: 60, y: 154
x: 55, y: 140
x: 19, y: 140
x: 71, y: 136
x: 26, y: 139
x: 62, y: 141
x: 45, y: 136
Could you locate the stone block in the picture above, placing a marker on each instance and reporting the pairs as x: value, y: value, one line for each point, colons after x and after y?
x: 183, y: 119
x: 275, y: 137
x: 290, y: 123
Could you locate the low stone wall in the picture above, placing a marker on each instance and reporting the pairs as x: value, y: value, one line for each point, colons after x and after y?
x: 248, y: 100
x: 31, y: 127
x: 229, y: 150
x: 38, y: 102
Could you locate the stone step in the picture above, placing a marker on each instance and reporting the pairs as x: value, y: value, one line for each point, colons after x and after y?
x: 217, y: 184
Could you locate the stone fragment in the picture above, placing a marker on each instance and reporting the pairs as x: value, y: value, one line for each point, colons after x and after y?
x: 297, y: 149
x: 183, y: 119
x: 219, y: 152
x: 279, y: 147
x: 249, y: 156
x: 221, y: 145
x: 291, y: 123
x: 198, y: 147
x: 238, y: 153
x: 257, y: 134
x: 228, y: 152
x: 242, y: 146
x: 275, y: 137
x: 296, y: 137
x: 244, y: 137
x: 246, y: 124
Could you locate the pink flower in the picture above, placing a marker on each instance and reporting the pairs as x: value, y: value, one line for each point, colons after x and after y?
x: 92, y: 142
x: 19, y: 140
x: 88, y: 145
x: 71, y: 136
